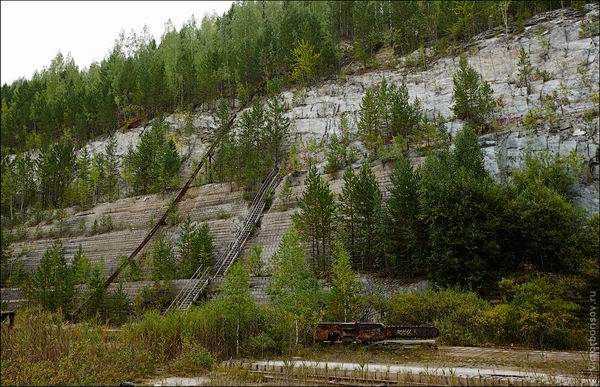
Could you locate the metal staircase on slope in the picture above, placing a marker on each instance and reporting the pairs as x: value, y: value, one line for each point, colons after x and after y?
x: 201, y: 278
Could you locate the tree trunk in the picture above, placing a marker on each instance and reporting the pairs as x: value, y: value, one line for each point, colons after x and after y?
x: 237, y: 338
x: 296, y: 322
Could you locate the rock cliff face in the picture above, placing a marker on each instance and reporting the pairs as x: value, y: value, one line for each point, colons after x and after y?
x: 555, y: 46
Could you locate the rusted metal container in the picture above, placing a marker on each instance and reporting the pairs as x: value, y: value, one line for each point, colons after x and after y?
x: 369, y: 332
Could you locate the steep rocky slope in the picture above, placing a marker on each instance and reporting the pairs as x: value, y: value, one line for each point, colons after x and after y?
x: 554, y: 44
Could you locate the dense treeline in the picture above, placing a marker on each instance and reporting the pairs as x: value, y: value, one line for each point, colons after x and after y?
x: 450, y: 220
x: 230, y: 56
x: 59, y: 176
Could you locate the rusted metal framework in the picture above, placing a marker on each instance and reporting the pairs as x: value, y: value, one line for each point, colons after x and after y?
x: 370, y: 332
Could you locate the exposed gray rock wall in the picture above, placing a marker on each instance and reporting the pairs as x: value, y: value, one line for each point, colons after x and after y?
x: 316, y: 111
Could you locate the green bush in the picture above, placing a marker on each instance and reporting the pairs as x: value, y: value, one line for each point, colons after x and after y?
x: 156, y: 297
x: 536, y: 313
x: 453, y: 311
x: 161, y: 334
x: 254, y: 260
x: 193, y: 358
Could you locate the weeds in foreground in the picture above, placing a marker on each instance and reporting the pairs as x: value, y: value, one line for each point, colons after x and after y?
x: 41, y: 349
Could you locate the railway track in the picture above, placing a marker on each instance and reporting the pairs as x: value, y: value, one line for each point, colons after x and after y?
x: 319, y: 380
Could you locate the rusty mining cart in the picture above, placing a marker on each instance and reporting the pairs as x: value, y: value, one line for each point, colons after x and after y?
x: 373, y: 333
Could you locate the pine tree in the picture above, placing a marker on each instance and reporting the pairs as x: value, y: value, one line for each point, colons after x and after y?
x: 292, y: 161
x: 285, y: 195
x: 406, y: 117
x: 51, y: 284
x: 277, y: 128
x: 24, y: 180
x: 304, y: 62
x: 406, y: 232
x: 315, y: 220
x: 459, y: 205
x: 111, y: 184
x: 96, y: 292
x: 473, y: 98
x: 368, y: 207
x: 56, y: 167
x: 525, y: 70
x: 369, y: 123
x: 348, y: 211
x: 154, y: 165
x: 195, y: 247
x: 467, y: 153
x: 334, y: 161
x: 164, y: 266
x: 345, y: 288
x: 9, y: 189
x: 82, y: 186
x: 169, y: 167
x: 80, y: 266
x: 97, y: 176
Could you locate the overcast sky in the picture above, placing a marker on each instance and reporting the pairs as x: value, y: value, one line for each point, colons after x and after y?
x: 33, y: 32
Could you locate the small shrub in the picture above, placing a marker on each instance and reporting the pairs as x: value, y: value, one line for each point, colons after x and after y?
x: 192, y: 359
x: 173, y: 217
x: 543, y: 41
x: 223, y: 214
x: 589, y: 28
x: 132, y: 271
x: 156, y: 297
x: 590, y: 114
x: 14, y: 274
x: 285, y: 195
x: 533, y: 118
x: 106, y: 223
x: 117, y: 306
x: 255, y: 260
x: 585, y: 81
x: 539, y: 315
x: 544, y: 75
